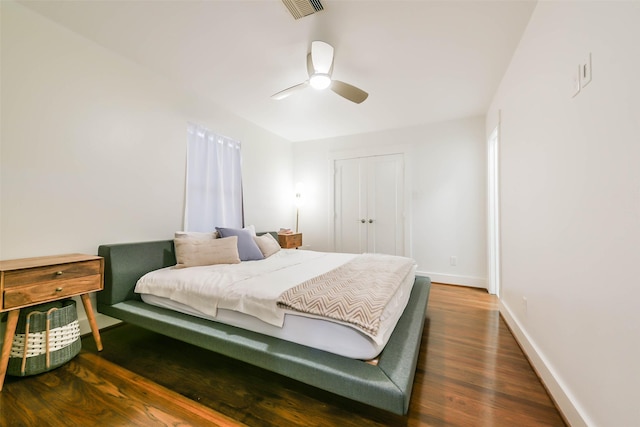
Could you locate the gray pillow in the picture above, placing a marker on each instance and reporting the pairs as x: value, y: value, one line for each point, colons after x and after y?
x: 247, y: 247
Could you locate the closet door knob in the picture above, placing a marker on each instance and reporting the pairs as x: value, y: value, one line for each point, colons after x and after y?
x: 370, y: 221
x: 363, y: 220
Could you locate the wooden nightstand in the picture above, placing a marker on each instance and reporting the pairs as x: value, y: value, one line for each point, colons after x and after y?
x: 31, y: 281
x: 288, y: 241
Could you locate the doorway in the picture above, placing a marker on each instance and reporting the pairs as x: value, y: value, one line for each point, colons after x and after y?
x: 493, y: 213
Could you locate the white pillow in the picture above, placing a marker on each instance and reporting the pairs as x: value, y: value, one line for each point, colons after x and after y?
x: 267, y: 244
x: 251, y: 229
x: 196, y: 252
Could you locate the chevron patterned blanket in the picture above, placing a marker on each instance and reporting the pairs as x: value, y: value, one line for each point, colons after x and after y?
x: 355, y: 293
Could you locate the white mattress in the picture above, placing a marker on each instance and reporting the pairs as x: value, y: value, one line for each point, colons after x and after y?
x: 244, y: 306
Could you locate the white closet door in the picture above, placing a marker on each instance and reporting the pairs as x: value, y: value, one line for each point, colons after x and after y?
x: 368, y: 202
x: 385, y: 202
x: 350, y: 205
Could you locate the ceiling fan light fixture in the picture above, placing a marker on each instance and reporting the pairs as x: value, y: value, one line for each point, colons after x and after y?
x: 320, y: 81
x: 319, y: 70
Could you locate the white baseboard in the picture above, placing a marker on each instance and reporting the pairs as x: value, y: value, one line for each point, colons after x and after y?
x: 449, y: 279
x: 102, y: 321
x: 563, y: 399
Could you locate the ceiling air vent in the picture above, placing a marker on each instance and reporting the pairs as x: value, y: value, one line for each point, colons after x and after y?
x: 302, y: 8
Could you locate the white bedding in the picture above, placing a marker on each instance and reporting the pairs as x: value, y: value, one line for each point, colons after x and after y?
x: 245, y: 295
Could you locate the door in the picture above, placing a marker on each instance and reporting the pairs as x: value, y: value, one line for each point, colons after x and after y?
x: 494, y: 214
x: 369, y: 204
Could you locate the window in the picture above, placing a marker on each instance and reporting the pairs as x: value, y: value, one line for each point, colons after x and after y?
x: 213, y: 194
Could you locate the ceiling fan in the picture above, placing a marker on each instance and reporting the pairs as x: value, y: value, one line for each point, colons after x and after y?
x: 320, y: 68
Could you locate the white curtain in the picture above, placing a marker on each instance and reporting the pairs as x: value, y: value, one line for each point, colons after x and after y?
x: 214, y: 181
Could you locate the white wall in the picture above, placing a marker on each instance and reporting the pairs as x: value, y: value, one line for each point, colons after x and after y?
x: 92, y: 146
x: 446, y: 170
x: 570, y: 191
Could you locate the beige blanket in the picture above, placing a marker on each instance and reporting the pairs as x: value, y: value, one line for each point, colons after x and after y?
x: 355, y: 293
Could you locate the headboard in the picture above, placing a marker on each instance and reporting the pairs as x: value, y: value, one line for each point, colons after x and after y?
x: 125, y: 263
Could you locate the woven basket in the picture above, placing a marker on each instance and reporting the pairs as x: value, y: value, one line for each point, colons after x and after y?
x: 52, y: 335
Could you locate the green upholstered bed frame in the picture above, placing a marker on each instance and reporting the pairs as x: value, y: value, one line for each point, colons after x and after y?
x: 386, y: 385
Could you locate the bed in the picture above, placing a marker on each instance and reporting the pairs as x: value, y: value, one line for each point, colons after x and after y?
x: 385, y: 383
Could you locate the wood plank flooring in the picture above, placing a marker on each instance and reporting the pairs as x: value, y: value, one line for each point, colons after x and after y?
x: 470, y: 372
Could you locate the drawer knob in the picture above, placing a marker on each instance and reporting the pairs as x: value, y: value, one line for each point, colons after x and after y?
x: 59, y: 273
x: 58, y: 289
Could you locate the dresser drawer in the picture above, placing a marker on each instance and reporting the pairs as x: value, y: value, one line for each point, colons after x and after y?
x: 25, y: 295
x: 49, y: 273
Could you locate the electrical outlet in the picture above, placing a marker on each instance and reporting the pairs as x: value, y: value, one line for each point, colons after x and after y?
x: 453, y: 260
x: 585, y: 71
x: 524, y: 305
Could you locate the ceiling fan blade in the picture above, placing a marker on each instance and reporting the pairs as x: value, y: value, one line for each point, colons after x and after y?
x: 348, y: 91
x: 284, y: 93
x: 322, y: 56
x: 310, y: 69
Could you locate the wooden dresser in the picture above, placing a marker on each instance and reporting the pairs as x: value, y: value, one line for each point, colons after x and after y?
x: 289, y: 241
x: 31, y: 281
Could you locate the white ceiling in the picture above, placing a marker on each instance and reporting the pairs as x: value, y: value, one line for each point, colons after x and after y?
x: 420, y: 61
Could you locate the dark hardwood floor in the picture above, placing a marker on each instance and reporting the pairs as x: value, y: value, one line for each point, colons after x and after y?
x: 470, y: 372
